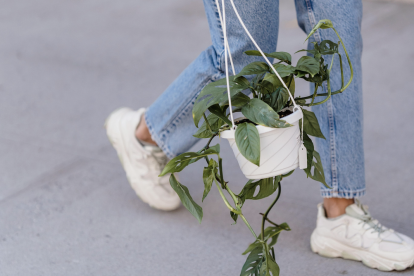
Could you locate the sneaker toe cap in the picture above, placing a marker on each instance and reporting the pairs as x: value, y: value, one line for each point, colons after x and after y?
x: 163, y: 198
x: 401, y: 251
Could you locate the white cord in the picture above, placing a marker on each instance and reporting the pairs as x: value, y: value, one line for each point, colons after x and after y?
x: 225, y: 38
x: 302, y: 125
x: 226, y: 63
x: 227, y: 51
x: 261, y: 52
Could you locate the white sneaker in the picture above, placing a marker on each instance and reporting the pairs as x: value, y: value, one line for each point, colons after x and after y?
x: 357, y: 236
x: 141, y: 164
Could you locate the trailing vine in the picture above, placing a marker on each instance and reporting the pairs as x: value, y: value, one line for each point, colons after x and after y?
x: 269, y: 104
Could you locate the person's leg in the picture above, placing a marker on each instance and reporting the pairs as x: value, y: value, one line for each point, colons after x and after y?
x: 344, y: 227
x: 341, y: 118
x: 169, y: 118
x: 168, y: 122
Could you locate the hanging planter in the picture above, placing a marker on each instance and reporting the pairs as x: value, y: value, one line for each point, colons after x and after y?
x: 279, y: 149
x: 269, y: 142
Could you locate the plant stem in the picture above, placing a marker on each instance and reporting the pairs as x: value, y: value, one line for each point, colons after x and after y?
x: 269, y: 221
x: 330, y: 68
x: 221, y: 172
x: 342, y: 70
x: 248, y: 225
x: 209, y: 141
x: 329, y: 94
x: 270, y: 208
x: 237, y: 211
x: 253, y: 92
x: 208, y: 124
x: 315, y: 93
x: 349, y: 61
x: 225, y: 200
x: 233, y: 196
x: 350, y: 78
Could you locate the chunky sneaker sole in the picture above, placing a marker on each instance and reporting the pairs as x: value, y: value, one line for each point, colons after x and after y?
x: 331, y: 248
x: 140, y: 164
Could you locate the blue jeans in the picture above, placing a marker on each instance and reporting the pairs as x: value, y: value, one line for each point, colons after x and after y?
x: 169, y: 118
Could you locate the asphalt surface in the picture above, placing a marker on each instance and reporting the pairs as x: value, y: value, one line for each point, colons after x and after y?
x: 65, y: 205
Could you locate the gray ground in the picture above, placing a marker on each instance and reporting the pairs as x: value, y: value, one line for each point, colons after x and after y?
x: 65, y: 205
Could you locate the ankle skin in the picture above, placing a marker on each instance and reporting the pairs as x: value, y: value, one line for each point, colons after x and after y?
x: 335, y: 207
x: 142, y: 132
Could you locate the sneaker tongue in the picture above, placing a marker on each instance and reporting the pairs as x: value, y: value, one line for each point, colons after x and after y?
x: 160, y: 156
x: 357, y: 211
x: 354, y: 210
x: 152, y: 149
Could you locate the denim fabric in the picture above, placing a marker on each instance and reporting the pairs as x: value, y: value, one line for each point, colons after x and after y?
x: 169, y: 118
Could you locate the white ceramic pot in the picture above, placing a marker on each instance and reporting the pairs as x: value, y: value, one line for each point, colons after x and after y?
x: 279, y: 149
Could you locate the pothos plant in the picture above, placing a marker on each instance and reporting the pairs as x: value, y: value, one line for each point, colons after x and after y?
x: 270, y: 102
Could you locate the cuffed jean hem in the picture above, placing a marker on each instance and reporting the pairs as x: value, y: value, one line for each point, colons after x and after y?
x: 343, y: 194
x: 156, y: 138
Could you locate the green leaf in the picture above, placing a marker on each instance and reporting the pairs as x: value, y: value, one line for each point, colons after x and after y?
x: 253, y: 263
x: 278, y: 99
x: 272, y: 232
x: 311, y: 125
x: 269, y: 84
x: 328, y: 47
x: 186, y: 199
x: 215, y: 123
x: 274, y: 83
x: 300, y: 74
x: 300, y: 101
x: 252, y: 246
x: 284, y: 70
x: 234, y: 216
x: 216, y: 110
x: 269, y: 265
x: 214, y: 93
x: 309, y: 65
x: 290, y: 83
x: 215, y: 148
x: 257, y: 79
x: 260, y: 262
x: 178, y: 163
x: 318, y: 174
x: 282, y: 56
x: 322, y: 24
x: 273, y: 267
x: 261, y: 113
x: 242, y: 81
x: 309, y: 51
x: 256, y: 67
x: 238, y: 100
x: 248, y: 142
x: 267, y: 187
x: 209, y: 174
x: 307, y: 142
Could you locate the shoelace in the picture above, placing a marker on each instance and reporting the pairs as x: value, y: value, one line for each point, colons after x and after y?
x: 366, y: 219
x: 373, y: 224
x: 377, y: 227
